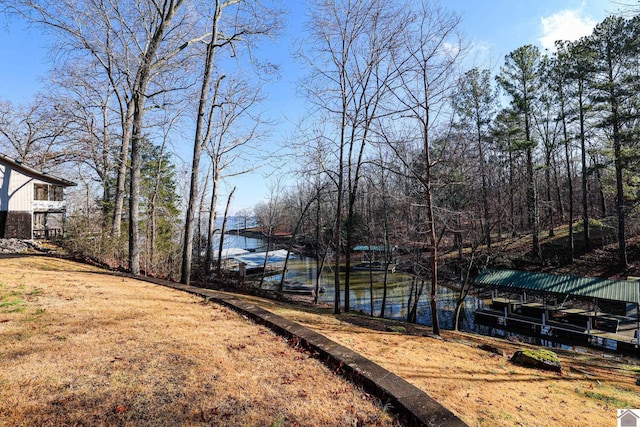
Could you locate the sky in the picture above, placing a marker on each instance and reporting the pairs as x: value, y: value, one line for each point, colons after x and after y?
x: 491, y: 28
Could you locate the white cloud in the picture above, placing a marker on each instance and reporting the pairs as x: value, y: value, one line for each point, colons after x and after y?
x: 568, y: 24
x: 451, y: 49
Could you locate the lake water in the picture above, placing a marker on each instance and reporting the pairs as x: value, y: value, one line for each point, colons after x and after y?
x: 398, y: 290
x: 237, y: 241
x: 398, y: 286
x: 303, y: 270
x: 232, y: 240
x: 300, y: 269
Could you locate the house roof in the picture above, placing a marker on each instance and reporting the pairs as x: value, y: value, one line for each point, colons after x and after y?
x: 366, y: 248
x: 43, y: 176
x: 585, y: 287
x: 256, y: 259
x: 230, y: 253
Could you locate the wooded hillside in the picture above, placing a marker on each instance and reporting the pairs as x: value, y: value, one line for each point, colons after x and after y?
x: 402, y: 146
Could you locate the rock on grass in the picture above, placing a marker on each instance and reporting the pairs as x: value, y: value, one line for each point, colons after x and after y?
x: 540, y: 359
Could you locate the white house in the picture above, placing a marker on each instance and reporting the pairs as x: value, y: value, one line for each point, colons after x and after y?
x: 32, y: 203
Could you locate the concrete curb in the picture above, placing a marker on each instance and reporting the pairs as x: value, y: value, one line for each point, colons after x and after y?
x: 415, y: 407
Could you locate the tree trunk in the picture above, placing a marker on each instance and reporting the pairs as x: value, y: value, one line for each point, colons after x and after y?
x: 293, y: 237
x: 222, y: 232
x: 620, y: 203
x: 485, y: 190
x: 337, y: 231
x: 266, y: 256
x: 320, y: 259
x: 198, y: 218
x: 567, y: 156
x: 512, y: 191
x: 388, y: 258
x: 547, y: 178
x: 139, y: 96
x: 122, y: 171
x: 347, y: 262
x: 583, y: 153
x: 558, y: 191
x: 412, y: 316
x: 134, y: 192
x: 199, y: 140
x: 532, y: 205
x: 432, y: 229
x: 619, y: 166
x: 211, y: 223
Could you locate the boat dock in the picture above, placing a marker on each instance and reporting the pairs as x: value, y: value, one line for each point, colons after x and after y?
x: 570, y: 310
x: 563, y: 325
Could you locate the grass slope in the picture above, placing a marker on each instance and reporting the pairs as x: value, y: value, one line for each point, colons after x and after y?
x: 82, y: 347
x: 483, y: 388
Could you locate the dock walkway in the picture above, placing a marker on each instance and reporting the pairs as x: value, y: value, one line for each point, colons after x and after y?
x: 581, y: 327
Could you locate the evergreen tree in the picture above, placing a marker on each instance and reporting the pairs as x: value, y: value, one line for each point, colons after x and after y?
x: 519, y: 77
x: 475, y: 105
x: 159, y: 199
x: 579, y: 71
x: 614, y: 48
x: 559, y: 77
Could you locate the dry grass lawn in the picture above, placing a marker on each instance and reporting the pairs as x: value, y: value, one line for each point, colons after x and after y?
x: 82, y: 347
x: 485, y: 389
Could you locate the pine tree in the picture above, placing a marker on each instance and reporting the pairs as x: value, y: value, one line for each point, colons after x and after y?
x: 519, y: 77
x: 614, y: 48
x: 475, y: 104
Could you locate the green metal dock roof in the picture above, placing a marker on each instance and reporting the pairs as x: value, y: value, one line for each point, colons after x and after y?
x: 366, y: 248
x: 585, y: 287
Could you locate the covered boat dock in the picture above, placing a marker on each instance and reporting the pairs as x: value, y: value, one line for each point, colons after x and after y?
x: 568, y: 309
x: 246, y: 263
x: 372, y: 262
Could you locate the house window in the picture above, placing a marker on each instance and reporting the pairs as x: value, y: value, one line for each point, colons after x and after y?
x: 41, y: 191
x: 47, y: 192
x: 47, y: 225
x: 39, y: 220
x: 55, y: 193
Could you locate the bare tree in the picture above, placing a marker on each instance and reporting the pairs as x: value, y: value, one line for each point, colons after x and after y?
x: 314, y: 172
x: 432, y: 47
x: 232, y: 139
x: 269, y: 216
x: 133, y: 43
x: 247, y: 20
x: 158, y: 31
x: 35, y: 134
x: 86, y: 98
x: 350, y: 52
x: 311, y: 198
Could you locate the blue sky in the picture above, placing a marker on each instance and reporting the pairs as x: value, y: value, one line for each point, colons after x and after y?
x: 492, y: 28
